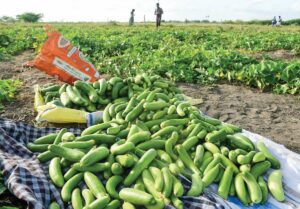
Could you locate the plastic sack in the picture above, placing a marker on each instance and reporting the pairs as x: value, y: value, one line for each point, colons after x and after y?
x: 58, y: 57
x: 53, y: 113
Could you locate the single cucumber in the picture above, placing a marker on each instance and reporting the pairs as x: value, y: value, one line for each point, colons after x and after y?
x: 70, y: 173
x: 168, y: 182
x: 122, y: 149
x: 175, y: 122
x: 258, y: 157
x: 253, y: 187
x: 136, y: 197
x: 199, y: 155
x: 190, y: 142
x: 264, y: 189
x: 211, y: 175
x: 37, y: 147
x: 211, y: 147
x: 139, y: 137
x: 94, y: 156
x: 48, y: 139
x: 102, y: 86
x: 96, y: 167
x: 55, y: 172
x: 260, y: 168
x: 156, y: 144
x: 77, y: 202
x: 143, y: 163
x: 45, y: 156
x: 275, y: 185
x: 94, y: 184
x: 111, y: 186
x: 241, y: 189
x: 170, y: 143
x: 68, y: 187
x: 240, y: 141
x: 225, y: 183
x: 153, y: 106
x: 165, y: 131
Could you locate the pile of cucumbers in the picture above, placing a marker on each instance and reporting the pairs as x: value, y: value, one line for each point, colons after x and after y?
x: 145, y: 144
x: 95, y: 96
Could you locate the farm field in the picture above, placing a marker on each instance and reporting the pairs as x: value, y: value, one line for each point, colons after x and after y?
x: 258, y: 56
x: 246, y: 75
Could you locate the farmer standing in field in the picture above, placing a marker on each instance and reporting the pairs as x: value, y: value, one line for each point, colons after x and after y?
x: 274, y: 21
x: 131, y: 20
x: 158, y: 12
x: 279, y: 21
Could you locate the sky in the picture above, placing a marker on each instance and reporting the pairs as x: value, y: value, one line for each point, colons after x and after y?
x: 119, y: 10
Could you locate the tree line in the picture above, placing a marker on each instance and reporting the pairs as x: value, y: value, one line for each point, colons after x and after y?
x: 25, y: 17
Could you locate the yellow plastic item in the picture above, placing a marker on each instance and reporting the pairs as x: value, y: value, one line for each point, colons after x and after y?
x: 54, y: 114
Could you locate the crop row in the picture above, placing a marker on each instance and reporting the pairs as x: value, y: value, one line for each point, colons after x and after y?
x: 202, y: 55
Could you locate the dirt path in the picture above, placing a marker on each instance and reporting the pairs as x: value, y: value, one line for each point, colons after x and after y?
x: 21, y: 109
x: 270, y: 115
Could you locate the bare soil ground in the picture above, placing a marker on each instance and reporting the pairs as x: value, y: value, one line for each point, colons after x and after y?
x: 21, y: 109
x: 275, y: 55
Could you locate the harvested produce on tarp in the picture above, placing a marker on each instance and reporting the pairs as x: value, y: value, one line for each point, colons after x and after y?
x: 147, y: 139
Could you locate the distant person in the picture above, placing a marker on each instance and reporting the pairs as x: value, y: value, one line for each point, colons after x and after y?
x: 158, y: 12
x: 274, y: 21
x: 131, y: 20
x: 279, y: 21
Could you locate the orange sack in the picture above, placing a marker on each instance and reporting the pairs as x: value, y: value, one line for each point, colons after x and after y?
x: 59, y: 58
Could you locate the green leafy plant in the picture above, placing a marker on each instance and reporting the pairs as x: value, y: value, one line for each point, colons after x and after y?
x: 8, y: 89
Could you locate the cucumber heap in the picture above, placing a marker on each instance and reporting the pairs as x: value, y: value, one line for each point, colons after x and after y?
x: 95, y: 96
x: 145, y: 143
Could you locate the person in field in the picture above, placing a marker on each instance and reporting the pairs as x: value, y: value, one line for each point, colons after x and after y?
x: 131, y: 20
x: 274, y: 21
x: 279, y: 23
x: 158, y: 12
